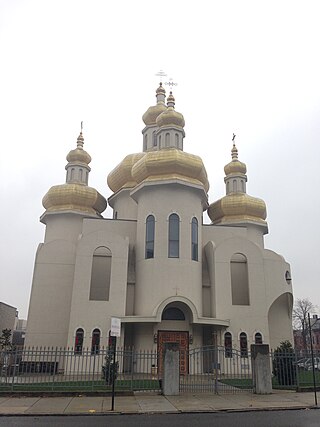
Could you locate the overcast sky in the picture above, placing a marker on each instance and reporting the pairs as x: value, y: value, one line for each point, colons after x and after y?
x: 248, y: 67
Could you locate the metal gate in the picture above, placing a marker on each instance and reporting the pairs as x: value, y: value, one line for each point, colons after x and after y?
x: 217, y: 370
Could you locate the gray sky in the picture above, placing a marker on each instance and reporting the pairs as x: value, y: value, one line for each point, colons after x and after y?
x: 248, y: 67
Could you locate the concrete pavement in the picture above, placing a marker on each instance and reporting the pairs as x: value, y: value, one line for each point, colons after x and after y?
x: 154, y: 403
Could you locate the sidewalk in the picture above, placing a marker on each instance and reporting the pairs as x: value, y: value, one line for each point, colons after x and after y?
x: 154, y: 403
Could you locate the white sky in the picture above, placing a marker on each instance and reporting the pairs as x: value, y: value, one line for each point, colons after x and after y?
x: 248, y: 67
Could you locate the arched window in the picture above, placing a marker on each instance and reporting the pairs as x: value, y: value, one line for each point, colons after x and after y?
x: 100, y: 274
x: 234, y: 184
x: 243, y: 345
x: 177, y: 140
x: 95, y: 341
x: 78, y: 342
x: 80, y: 175
x: 228, y: 344
x: 150, y: 226
x: 228, y: 187
x: 173, y: 313
x: 167, y: 140
x: 72, y: 174
x: 258, y: 338
x: 154, y: 138
x: 145, y: 143
x: 242, y: 186
x: 174, y: 236
x: 194, y: 239
x: 239, y: 280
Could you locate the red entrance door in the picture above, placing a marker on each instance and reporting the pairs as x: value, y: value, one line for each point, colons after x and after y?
x: 182, y: 339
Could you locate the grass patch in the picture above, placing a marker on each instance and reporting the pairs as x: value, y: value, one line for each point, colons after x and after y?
x: 242, y: 383
x: 82, y: 386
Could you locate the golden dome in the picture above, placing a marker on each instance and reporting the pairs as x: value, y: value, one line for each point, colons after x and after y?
x: 150, y: 116
x: 237, y: 207
x: 76, y: 197
x: 79, y: 155
x: 170, y: 163
x: 170, y: 117
x: 121, y: 175
x: 235, y: 166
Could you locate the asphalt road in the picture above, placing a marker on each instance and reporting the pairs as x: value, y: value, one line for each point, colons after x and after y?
x: 289, y: 418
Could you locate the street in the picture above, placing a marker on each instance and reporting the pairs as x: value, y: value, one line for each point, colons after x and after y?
x: 288, y: 418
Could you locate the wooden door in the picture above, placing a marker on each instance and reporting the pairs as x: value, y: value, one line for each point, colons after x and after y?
x: 182, y: 340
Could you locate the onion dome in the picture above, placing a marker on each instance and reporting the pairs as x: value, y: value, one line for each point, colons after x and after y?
x: 75, y: 194
x: 121, y: 175
x: 79, y: 154
x: 170, y: 117
x: 74, y: 197
x: 170, y: 164
x: 150, y: 116
x: 237, y: 206
x: 235, y: 166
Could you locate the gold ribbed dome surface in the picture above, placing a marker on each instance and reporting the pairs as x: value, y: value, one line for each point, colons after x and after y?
x: 170, y: 117
x: 170, y: 163
x: 76, y: 197
x: 79, y: 155
x: 237, y: 207
x: 121, y: 175
x: 235, y: 166
x: 150, y: 116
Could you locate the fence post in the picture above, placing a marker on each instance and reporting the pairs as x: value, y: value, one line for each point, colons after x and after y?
x: 261, y: 372
x: 171, y: 370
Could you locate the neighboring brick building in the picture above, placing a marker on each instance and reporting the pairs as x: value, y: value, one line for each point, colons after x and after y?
x: 8, y: 317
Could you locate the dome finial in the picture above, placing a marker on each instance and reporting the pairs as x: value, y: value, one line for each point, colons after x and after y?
x: 80, y: 139
x: 234, y: 151
x: 171, y: 100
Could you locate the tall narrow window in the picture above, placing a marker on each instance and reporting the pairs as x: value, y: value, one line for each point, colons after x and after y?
x: 95, y: 341
x: 194, y: 239
x: 145, y: 143
x: 243, y: 345
x: 100, y: 274
x: 228, y: 344
x: 150, y: 225
x: 154, y: 138
x: 258, y: 338
x: 174, y: 236
x: 234, y: 185
x: 239, y: 280
x: 167, y: 141
x: 78, y: 342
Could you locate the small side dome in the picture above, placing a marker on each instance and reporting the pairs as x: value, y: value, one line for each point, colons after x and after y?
x: 74, y: 197
x: 170, y: 117
x: 79, y: 154
x: 235, y: 166
x: 238, y: 207
x: 150, y: 116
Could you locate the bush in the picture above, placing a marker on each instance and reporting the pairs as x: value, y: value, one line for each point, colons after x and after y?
x: 283, y: 364
x: 110, y: 369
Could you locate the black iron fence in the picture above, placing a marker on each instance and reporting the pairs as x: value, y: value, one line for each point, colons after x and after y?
x: 206, y: 369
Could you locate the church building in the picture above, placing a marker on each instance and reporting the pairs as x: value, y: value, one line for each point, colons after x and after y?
x: 155, y: 265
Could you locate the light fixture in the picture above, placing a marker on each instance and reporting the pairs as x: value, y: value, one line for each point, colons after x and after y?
x: 155, y: 338
x: 190, y: 339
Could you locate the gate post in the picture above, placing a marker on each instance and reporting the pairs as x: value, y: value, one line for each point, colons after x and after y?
x: 171, y: 370
x: 261, y: 371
